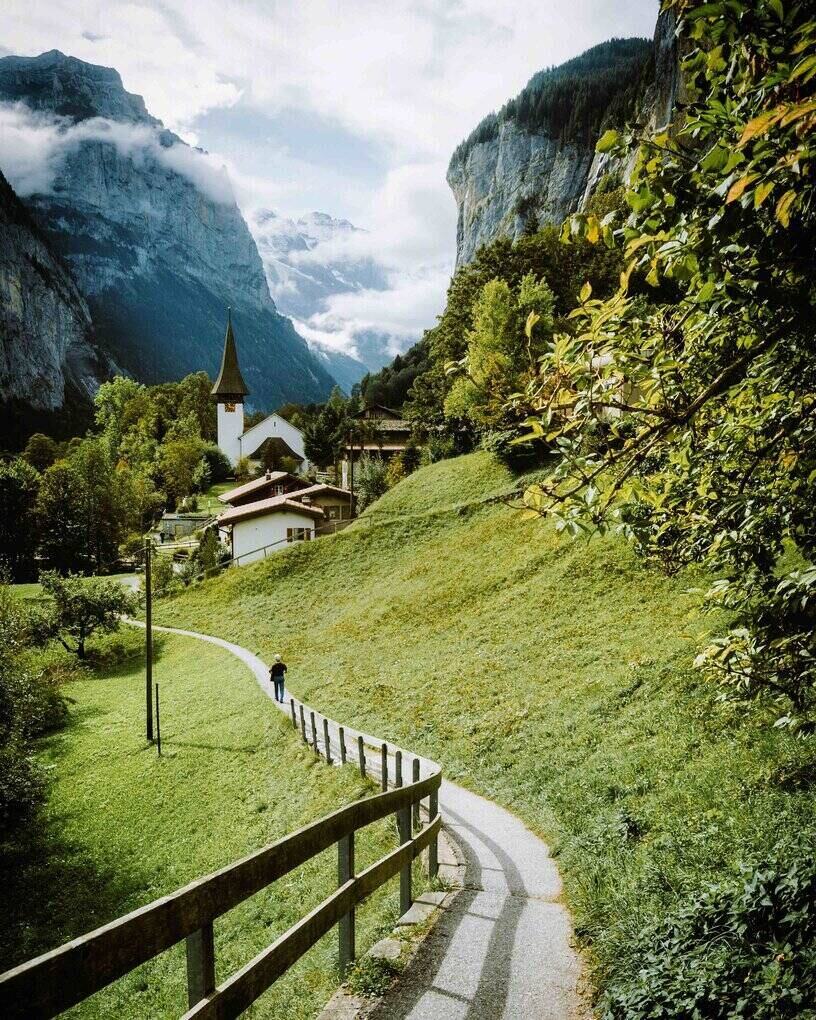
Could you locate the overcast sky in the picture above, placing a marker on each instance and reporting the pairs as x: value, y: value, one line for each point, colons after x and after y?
x: 350, y: 107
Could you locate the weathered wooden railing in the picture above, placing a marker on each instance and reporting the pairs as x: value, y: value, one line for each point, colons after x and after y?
x: 55, y: 981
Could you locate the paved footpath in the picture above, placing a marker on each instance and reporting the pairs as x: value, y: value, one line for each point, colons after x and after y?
x: 502, y: 950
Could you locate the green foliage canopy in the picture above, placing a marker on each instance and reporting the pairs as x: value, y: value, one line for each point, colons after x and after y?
x: 689, y: 424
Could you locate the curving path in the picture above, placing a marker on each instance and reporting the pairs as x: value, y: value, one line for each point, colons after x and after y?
x: 502, y: 949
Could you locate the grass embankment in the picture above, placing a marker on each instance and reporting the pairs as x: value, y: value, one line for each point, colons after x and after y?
x: 553, y: 676
x: 123, y: 827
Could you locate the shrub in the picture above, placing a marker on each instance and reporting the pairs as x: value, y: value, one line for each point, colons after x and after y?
x: 217, y: 463
x: 370, y: 480
x: 738, y: 949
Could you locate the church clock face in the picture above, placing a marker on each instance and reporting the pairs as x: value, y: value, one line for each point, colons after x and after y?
x: 229, y: 406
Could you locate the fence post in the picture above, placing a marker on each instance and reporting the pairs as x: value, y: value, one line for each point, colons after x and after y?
x: 433, y: 848
x: 361, y: 756
x: 404, y: 830
x: 294, y: 720
x: 384, y: 765
x: 314, y: 733
x: 342, y: 735
x: 326, y: 740
x: 415, y: 779
x: 200, y: 964
x: 158, y: 723
x: 345, y: 872
x: 303, y: 725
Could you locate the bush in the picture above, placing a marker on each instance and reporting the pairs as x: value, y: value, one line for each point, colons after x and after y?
x: 29, y: 705
x: 370, y: 480
x: 217, y: 463
x: 738, y: 949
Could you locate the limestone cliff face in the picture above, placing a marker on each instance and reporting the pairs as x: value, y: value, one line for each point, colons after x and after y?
x: 514, y: 175
x: 49, y: 363
x: 152, y: 234
x: 503, y: 180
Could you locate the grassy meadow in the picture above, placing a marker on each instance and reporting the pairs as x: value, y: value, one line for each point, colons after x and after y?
x: 551, y: 675
x: 122, y: 826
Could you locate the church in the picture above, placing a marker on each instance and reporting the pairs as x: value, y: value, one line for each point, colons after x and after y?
x: 229, y: 392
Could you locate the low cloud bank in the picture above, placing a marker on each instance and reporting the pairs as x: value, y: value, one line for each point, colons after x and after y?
x: 33, y: 146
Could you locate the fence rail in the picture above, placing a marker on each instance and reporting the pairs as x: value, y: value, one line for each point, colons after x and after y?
x: 49, y: 984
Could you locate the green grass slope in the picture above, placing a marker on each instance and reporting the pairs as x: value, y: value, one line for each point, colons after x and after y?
x: 553, y: 676
x: 123, y: 826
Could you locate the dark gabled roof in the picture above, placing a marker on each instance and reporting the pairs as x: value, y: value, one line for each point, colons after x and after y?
x: 264, y: 507
x: 230, y: 382
x: 258, y: 485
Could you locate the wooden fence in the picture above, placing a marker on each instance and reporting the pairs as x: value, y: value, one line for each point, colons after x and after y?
x: 51, y: 983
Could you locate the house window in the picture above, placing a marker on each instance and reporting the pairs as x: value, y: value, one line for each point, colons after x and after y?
x: 278, y: 490
x: 333, y: 513
x: 298, y: 534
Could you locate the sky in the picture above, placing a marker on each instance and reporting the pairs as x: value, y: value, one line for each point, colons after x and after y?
x: 351, y: 107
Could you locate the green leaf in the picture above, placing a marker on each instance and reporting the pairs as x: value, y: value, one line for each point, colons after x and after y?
x: 607, y: 140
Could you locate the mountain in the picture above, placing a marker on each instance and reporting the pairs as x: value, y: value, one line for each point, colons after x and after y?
x: 50, y: 365
x: 310, y: 260
x: 151, y: 231
x: 530, y: 163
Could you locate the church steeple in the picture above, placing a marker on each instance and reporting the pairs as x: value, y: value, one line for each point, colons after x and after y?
x: 229, y: 386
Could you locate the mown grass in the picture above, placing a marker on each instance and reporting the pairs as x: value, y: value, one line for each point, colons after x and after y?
x: 551, y: 675
x: 122, y: 826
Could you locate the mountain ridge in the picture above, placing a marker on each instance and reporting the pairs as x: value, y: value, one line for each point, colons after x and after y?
x: 152, y: 234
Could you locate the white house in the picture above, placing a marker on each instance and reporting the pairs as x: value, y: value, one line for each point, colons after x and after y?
x: 262, y: 528
x: 229, y: 392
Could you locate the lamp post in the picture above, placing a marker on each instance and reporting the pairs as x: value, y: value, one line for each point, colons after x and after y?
x: 148, y: 641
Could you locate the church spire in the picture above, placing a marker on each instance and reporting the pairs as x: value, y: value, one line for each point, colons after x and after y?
x: 230, y: 385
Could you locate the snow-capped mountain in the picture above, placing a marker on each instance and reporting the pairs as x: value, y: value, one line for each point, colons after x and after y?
x: 310, y: 261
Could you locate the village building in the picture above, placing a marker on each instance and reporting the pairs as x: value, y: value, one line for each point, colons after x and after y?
x: 377, y: 431
x: 273, y: 483
x: 255, y: 527
x: 229, y: 392
x: 256, y: 530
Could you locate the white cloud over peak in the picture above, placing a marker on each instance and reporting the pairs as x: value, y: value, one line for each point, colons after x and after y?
x: 353, y: 108
x: 32, y: 145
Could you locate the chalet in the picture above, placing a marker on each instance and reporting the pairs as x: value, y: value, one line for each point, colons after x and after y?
x: 267, y: 525
x: 376, y: 431
x: 274, y: 431
x: 260, y: 520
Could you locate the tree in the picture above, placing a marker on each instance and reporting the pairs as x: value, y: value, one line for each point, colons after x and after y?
x: 60, y: 512
x: 82, y: 510
x: 371, y: 480
x: 502, y: 355
x: 688, y: 423
x: 19, y: 485
x: 83, y: 607
x: 41, y: 451
x: 181, y: 462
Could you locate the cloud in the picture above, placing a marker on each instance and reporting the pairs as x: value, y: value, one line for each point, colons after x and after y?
x: 32, y: 146
x: 403, y: 82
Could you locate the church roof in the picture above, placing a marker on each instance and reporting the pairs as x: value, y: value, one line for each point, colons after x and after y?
x: 230, y: 382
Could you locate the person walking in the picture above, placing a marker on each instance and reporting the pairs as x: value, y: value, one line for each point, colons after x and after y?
x: 277, y: 674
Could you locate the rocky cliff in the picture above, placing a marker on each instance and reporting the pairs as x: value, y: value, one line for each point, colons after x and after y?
x: 152, y: 234
x: 534, y: 162
x: 50, y: 366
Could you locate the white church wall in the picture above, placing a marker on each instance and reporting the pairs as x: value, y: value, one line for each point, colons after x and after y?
x: 271, y: 428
